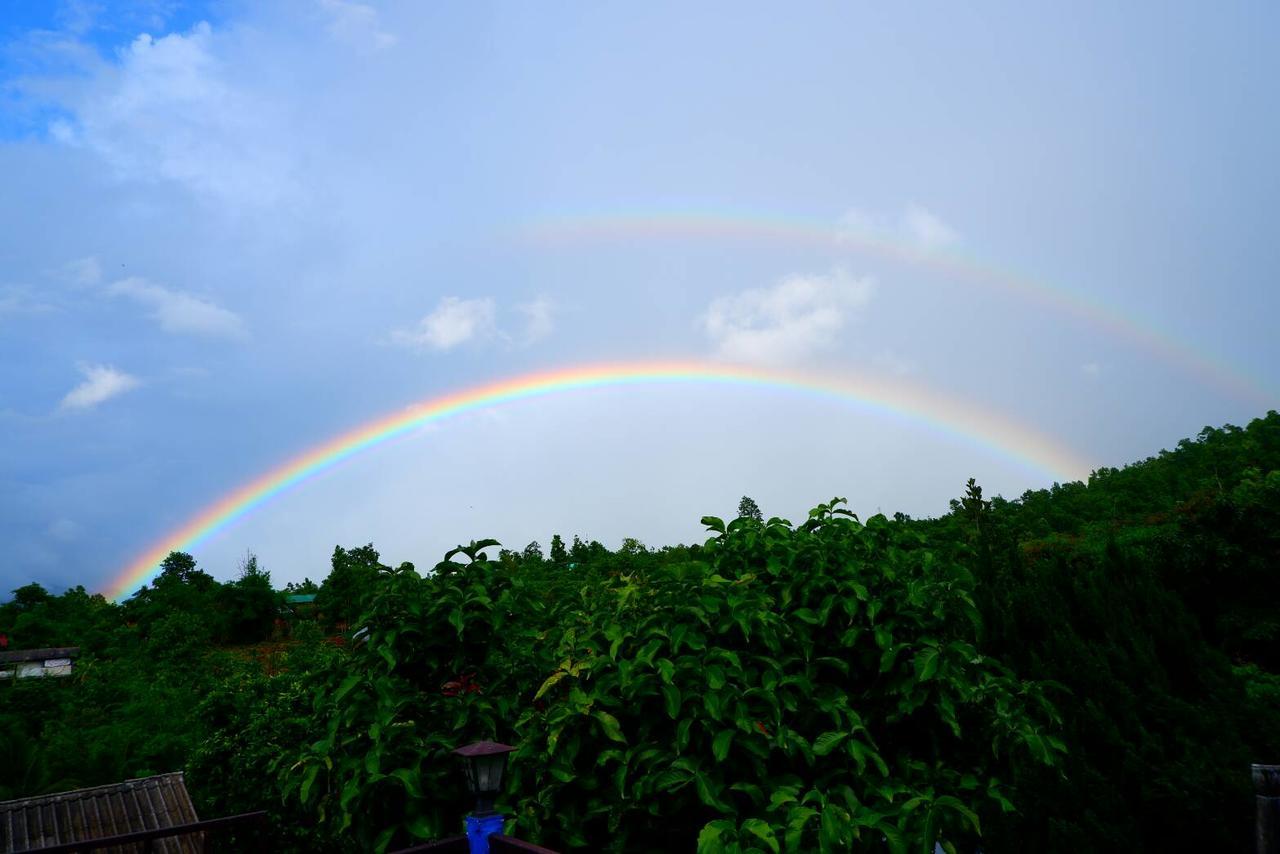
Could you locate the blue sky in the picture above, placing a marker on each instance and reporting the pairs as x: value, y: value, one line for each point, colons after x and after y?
x: 229, y: 231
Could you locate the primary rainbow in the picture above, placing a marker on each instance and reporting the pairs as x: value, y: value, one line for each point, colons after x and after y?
x: 739, y: 225
x: 919, y: 406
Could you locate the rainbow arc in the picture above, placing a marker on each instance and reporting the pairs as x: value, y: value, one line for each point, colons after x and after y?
x: 950, y: 265
x: 925, y: 409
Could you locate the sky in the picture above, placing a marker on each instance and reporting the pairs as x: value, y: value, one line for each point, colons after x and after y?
x: 231, y: 232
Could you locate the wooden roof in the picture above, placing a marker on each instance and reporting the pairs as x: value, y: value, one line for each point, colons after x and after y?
x: 29, y: 824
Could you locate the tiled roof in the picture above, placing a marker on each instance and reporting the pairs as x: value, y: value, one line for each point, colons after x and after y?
x: 29, y: 824
x: 39, y: 654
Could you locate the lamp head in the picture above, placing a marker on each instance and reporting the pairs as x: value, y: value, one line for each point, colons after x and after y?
x: 485, y: 763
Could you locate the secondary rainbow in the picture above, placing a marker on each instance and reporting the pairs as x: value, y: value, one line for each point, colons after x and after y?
x: 851, y: 236
x: 924, y: 408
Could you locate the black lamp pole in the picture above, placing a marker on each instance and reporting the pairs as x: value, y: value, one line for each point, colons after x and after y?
x: 485, y: 763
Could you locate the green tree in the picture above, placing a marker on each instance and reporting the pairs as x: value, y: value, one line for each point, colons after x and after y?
x: 178, y: 566
x: 632, y: 546
x: 558, y: 554
x: 350, y: 582
x: 30, y: 596
x: 748, y: 509
x: 34, y: 618
x: 180, y: 589
x: 248, y: 607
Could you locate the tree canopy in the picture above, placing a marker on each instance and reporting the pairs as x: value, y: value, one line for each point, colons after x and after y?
x: 1091, y: 666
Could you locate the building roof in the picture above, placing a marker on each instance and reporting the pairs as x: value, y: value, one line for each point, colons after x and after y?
x: 39, y: 654
x: 300, y: 598
x: 149, y: 803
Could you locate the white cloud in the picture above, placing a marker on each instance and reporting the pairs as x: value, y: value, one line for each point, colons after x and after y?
x: 101, y: 383
x: 795, y: 318
x: 539, y: 319
x: 927, y: 229
x: 179, y: 312
x: 916, y: 225
x: 356, y: 24
x: 455, y: 321
x: 170, y: 109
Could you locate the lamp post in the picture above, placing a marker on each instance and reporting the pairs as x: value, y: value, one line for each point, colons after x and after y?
x: 485, y: 763
x: 1266, y: 787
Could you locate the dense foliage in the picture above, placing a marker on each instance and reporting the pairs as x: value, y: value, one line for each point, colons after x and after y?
x: 1088, y: 667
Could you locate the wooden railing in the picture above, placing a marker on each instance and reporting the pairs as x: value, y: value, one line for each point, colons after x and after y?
x: 505, y: 844
x: 498, y: 844
x: 451, y: 845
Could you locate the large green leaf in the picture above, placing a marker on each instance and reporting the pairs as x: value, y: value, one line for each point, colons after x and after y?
x: 828, y: 742
x: 720, y: 744
x: 762, y: 831
x: 926, y: 663
x: 671, y: 695
x: 612, y: 729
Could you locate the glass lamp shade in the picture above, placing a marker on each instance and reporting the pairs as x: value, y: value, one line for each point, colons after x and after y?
x: 485, y: 763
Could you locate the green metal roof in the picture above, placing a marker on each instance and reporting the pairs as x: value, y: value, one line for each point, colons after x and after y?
x: 300, y: 598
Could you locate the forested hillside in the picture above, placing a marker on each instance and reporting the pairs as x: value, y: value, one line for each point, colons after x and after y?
x: 1090, y: 667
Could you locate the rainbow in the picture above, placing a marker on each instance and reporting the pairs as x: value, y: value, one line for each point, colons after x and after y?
x: 923, y: 408
x: 552, y: 231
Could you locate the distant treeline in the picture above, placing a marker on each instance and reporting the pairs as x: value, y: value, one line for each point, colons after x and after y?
x: 1090, y: 667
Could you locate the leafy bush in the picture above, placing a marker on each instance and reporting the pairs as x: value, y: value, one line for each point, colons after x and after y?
x: 808, y: 688
x: 385, y: 716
